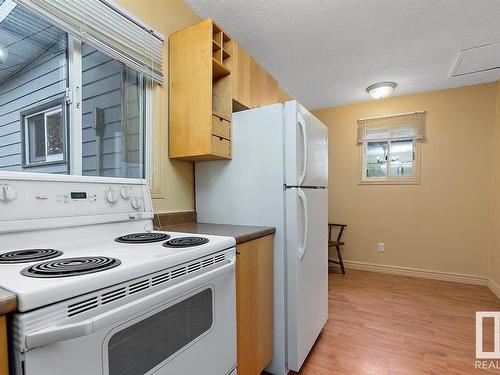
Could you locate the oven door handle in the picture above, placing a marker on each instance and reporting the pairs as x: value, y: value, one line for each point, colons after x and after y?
x: 56, y: 333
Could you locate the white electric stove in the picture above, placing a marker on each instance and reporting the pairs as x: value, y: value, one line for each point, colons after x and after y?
x: 101, y: 292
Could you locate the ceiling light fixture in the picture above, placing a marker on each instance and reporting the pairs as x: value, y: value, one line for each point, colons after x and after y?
x: 381, y: 90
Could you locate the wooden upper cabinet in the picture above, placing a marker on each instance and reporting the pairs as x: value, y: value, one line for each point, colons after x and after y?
x: 252, y: 85
x: 200, y: 93
x: 242, y: 68
x: 210, y: 76
x: 269, y: 92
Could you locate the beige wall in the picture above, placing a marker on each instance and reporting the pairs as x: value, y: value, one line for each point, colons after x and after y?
x: 173, y: 181
x: 442, y: 224
x: 495, y: 206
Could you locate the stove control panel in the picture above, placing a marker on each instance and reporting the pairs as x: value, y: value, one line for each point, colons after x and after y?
x: 30, y: 196
x: 7, y: 193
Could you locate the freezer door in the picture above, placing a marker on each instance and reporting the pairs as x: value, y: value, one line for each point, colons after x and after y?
x: 306, y: 147
x: 307, y: 270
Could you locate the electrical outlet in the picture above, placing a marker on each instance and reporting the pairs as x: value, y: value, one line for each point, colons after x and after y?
x: 380, y: 247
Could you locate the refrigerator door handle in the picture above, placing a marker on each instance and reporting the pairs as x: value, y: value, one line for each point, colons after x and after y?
x: 303, y: 248
x: 302, y: 125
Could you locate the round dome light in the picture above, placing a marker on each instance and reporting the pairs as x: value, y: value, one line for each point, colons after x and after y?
x: 381, y: 90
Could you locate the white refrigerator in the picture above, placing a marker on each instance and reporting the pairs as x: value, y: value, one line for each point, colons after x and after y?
x: 278, y: 176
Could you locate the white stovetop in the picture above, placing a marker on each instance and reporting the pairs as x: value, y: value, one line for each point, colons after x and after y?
x: 136, y: 260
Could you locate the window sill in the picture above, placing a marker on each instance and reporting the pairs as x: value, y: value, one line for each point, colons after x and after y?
x: 43, y: 164
x: 390, y: 182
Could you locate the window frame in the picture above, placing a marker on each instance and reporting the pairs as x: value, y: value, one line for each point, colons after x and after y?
x: 390, y: 180
x: 53, y: 106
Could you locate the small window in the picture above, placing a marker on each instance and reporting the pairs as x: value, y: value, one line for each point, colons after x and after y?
x: 389, y: 159
x: 391, y: 148
x: 44, y: 140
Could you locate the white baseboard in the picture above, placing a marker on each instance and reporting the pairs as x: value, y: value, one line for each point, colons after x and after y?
x: 494, y: 287
x: 425, y: 274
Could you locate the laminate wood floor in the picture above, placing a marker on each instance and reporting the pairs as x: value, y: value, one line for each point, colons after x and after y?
x: 382, y: 324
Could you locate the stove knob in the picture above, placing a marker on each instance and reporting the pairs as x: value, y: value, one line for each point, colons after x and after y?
x: 7, y: 193
x: 136, y: 202
x: 111, y: 196
x: 125, y: 193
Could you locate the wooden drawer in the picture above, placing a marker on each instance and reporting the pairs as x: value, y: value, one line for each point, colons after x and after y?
x: 221, y: 127
x: 221, y: 146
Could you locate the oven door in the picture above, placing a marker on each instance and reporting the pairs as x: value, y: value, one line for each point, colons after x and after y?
x: 188, y: 328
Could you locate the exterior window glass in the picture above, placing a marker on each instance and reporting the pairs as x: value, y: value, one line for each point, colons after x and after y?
x: 113, y: 117
x: 33, y: 82
x: 390, y: 160
x: 36, y: 139
x: 402, y: 158
x: 376, y: 159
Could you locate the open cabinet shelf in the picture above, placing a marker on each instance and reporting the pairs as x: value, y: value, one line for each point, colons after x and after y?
x: 219, y: 70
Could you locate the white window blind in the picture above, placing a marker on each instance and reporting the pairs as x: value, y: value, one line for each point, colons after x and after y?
x: 394, y: 127
x: 106, y: 26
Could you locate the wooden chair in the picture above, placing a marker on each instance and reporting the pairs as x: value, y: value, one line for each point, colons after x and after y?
x: 338, y: 243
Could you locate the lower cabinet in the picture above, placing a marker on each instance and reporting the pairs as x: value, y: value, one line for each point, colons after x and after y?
x: 4, y: 363
x: 254, y: 304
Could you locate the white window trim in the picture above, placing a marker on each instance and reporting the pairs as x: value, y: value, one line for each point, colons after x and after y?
x: 148, y: 133
x: 55, y: 157
x: 390, y: 180
x: 48, y: 158
x: 73, y: 99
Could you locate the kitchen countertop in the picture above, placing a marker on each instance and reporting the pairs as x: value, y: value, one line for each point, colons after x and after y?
x: 241, y: 233
x: 8, y: 302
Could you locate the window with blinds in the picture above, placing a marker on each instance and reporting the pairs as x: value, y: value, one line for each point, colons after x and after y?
x: 107, y: 27
x: 76, y: 83
x: 391, y: 148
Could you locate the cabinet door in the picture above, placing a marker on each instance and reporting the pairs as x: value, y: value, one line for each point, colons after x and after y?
x: 240, y: 75
x: 268, y: 93
x: 252, y: 85
x: 4, y: 369
x: 254, y: 305
x: 190, y: 79
x: 256, y: 78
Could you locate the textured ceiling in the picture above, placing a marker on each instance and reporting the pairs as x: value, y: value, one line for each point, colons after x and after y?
x: 326, y: 52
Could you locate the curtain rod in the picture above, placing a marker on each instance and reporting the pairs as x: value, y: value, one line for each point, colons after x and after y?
x: 389, y: 116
